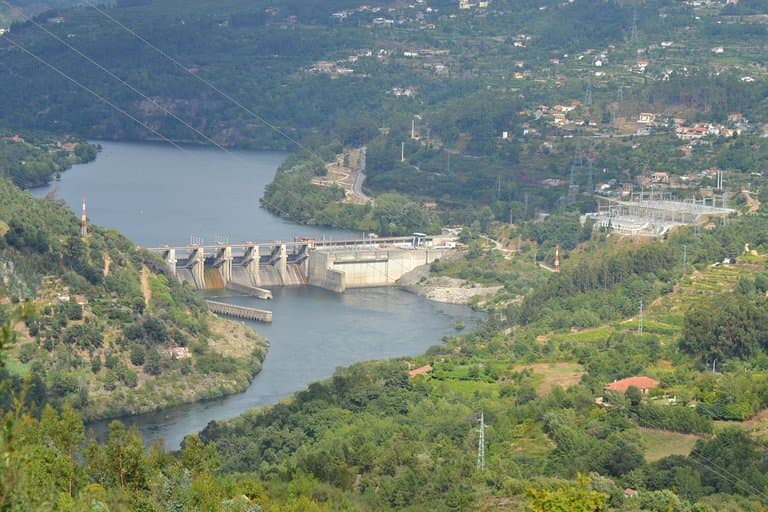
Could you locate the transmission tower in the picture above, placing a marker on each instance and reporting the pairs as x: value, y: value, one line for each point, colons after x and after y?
x: 588, y: 93
x: 578, y: 161
x: 573, y: 188
x: 481, y: 444
x: 578, y: 157
x: 634, y: 37
x: 590, y: 179
x: 640, y: 327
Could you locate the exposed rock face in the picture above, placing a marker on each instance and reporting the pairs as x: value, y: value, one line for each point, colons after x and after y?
x: 443, y: 289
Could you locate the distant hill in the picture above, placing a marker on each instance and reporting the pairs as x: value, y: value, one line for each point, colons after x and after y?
x: 23, y: 8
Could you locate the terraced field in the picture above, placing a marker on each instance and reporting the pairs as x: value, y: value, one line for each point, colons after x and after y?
x: 666, y: 315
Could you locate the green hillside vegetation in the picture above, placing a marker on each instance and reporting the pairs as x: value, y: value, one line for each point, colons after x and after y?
x: 35, y: 160
x: 98, y: 320
x: 373, y: 438
x: 396, y: 443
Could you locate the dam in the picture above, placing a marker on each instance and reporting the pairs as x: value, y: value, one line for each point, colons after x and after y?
x: 251, y: 267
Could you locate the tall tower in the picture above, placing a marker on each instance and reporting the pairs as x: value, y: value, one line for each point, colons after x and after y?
x: 481, y: 444
x: 83, y: 222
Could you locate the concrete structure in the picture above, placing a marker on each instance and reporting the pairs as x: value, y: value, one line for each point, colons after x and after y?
x: 333, y: 265
x: 222, y: 308
x: 362, y: 268
x: 255, y: 291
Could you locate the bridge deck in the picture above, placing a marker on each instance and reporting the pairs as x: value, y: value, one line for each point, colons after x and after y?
x: 300, y: 243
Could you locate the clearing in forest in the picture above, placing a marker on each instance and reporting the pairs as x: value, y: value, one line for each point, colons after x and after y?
x: 547, y: 376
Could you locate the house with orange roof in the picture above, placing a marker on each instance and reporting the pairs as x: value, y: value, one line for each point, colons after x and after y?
x: 643, y: 383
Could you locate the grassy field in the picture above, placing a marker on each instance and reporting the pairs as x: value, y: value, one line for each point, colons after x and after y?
x: 586, y: 336
x: 549, y: 375
x: 660, y: 443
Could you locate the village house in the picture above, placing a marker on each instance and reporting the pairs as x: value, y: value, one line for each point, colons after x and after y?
x: 646, y: 118
x: 643, y: 383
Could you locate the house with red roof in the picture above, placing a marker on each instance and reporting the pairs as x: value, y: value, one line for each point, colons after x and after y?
x: 643, y: 383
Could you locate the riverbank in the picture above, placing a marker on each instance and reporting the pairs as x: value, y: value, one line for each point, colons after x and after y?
x: 448, y: 290
x: 240, y: 348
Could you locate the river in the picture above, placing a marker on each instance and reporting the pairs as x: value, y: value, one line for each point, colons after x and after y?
x: 156, y: 194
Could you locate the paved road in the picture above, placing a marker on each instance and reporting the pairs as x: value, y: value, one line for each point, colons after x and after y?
x: 357, y: 186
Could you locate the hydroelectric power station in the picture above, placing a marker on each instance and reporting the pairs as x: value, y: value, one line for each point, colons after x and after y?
x: 250, y: 267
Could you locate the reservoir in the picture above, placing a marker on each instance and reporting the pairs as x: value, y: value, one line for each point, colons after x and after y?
x: 156, y: 194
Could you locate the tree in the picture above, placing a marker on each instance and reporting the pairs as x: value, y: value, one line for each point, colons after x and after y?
x: 137, y: 354
x: 575, y: 497
x: 153, y: 362
x: 199, y: 457
x: 123, y: 457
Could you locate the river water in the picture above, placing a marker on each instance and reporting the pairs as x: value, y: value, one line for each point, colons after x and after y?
x: 156, y: 194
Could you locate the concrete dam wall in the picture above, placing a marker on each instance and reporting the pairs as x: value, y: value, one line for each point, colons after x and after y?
x: 336, y: 267
x: 338, y: 271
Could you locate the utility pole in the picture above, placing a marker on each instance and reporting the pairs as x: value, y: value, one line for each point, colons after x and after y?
x: 83, y: 222
x: 402, y: 151
x: 481, y: 445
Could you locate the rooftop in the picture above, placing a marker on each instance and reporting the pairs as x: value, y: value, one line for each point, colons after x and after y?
x: 642, y: 382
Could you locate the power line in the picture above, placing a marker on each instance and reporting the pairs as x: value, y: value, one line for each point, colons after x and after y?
x: 123, y: 82
x: 202, y: 80
x: 127, y: 114
x: 91, y: 91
